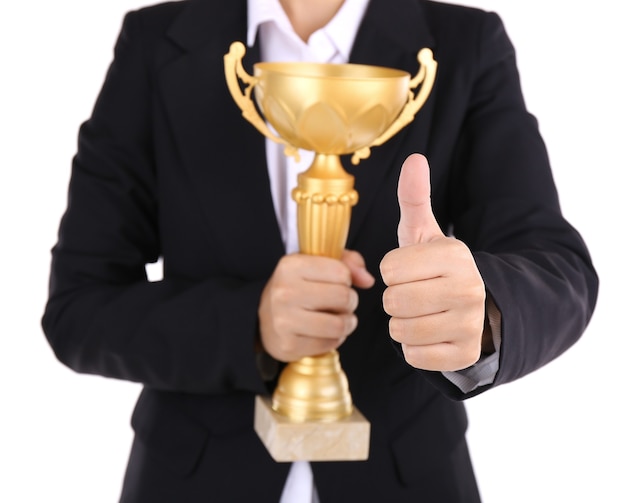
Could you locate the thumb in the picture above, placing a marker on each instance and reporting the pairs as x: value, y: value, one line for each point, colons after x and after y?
x: 417, y: 222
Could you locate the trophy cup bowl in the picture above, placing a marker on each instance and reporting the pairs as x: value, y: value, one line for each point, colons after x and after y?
x: 332, y: 110
x: 329, y: 109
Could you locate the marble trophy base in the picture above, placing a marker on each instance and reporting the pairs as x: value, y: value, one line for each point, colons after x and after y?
x: 343, y: 440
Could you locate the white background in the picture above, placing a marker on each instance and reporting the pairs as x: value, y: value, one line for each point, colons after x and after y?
x: 555, y: 436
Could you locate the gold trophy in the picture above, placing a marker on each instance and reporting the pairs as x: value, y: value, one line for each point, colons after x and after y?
x: 330, y: 109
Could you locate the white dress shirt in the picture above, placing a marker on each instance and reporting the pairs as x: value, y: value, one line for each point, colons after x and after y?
x: 330, y: 44
x: 279, y: 42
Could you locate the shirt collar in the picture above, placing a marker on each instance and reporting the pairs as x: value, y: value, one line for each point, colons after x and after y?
x: 341, y: 29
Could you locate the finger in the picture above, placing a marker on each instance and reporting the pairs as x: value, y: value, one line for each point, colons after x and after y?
x: 426, y: 261
x: 361, y: 277
x: 327, y: 297
x: 451, y: 327
x: 417, y: 222
x: 314, y: 268
x: 317, y: 325
x: 418, y: 298
x: 310, y: 334
x: 428, y: 345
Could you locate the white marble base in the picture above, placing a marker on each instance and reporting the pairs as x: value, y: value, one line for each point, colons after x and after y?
x: 343, y: 440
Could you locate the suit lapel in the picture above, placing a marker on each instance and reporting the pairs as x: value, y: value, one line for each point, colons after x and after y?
x: 391, y: 34
x: 223, y: 154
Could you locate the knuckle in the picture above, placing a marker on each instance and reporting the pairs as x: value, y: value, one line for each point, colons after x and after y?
x: 351, y: 324
x: 340, y: 271
x: 351, y: 300
x: 387, y: 269
x: 344, y: 299
x: 337, y: 326
x: 287, y: 263
x: 389, y: 302
x: 397, y: 329
x: 471, y: 296
x: 455, y: 248
x: 412, y: 356
x: 281, y: 294
x: 343, y: 329
x: 345, y: 276
x: 476, y: 289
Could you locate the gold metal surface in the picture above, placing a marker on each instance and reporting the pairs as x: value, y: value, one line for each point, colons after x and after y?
x: 313, y: 388
x: 332, y: 110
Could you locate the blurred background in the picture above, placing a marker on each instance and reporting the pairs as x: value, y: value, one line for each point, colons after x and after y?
x: 554, y: 436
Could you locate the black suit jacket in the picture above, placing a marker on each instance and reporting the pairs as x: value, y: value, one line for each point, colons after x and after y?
x: 166, y: 166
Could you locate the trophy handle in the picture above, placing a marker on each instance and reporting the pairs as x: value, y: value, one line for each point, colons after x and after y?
x: 233, y: 69
x: 426, y: 77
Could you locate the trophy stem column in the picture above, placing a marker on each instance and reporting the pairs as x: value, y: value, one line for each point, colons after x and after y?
x: 325, y: 196
x: 315, y: 388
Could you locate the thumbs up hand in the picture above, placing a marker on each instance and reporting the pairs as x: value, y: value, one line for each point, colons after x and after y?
x: 435, y: 294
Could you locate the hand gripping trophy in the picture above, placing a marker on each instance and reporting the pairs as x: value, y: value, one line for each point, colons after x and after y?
x: 332, y: 110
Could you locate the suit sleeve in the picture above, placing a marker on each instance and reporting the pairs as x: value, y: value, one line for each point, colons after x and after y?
x: 103, y: 316
x: 504, y: 205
